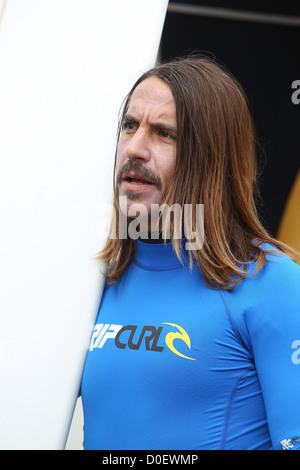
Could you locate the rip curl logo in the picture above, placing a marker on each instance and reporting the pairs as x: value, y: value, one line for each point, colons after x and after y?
x: 181, y: 335
x: 126, y: 336
x: 288, y: 444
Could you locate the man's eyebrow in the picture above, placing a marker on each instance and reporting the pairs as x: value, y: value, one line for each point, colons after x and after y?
x: 158, y: 125
x: 165, y: 127
x: 129, y: 118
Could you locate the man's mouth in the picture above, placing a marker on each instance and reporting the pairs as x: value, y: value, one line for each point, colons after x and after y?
x: 136, y: 179
x: 134, y: 175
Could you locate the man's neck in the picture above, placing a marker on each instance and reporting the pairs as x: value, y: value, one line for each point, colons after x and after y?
x: 153, y: 237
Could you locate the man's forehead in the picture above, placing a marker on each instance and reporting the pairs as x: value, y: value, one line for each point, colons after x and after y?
x: 155, y: 97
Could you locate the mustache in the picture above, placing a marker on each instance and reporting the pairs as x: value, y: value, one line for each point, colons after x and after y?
x: 137, y: 167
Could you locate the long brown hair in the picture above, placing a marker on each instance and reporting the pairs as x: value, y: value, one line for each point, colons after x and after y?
x: 215, y: 166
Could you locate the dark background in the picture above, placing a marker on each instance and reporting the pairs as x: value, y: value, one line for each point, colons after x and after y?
x: 265, y: 58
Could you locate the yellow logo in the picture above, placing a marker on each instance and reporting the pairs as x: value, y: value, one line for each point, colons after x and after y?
x: 182, y: 335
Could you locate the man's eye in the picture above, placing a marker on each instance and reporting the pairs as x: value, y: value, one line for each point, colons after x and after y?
x: 167, y: 135
x: 128, y: 126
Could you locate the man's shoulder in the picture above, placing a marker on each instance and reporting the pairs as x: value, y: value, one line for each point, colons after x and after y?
x: 279, y: 267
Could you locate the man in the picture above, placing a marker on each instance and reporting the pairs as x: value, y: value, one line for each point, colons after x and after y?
x: 196, y: 345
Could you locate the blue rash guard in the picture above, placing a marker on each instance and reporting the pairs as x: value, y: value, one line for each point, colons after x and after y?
x: 174, y: 364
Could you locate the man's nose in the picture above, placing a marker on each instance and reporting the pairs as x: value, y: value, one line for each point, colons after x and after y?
x: 139, y: 145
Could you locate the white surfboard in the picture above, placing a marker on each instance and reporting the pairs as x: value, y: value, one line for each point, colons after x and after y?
x: 65, y: 67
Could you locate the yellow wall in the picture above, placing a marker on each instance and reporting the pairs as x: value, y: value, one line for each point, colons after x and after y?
x: 289, y: 229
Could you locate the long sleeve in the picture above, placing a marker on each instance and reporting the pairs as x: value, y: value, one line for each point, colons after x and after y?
x: 270, y: 324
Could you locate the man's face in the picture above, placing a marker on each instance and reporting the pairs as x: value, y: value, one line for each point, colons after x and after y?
x: 147, y: 146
